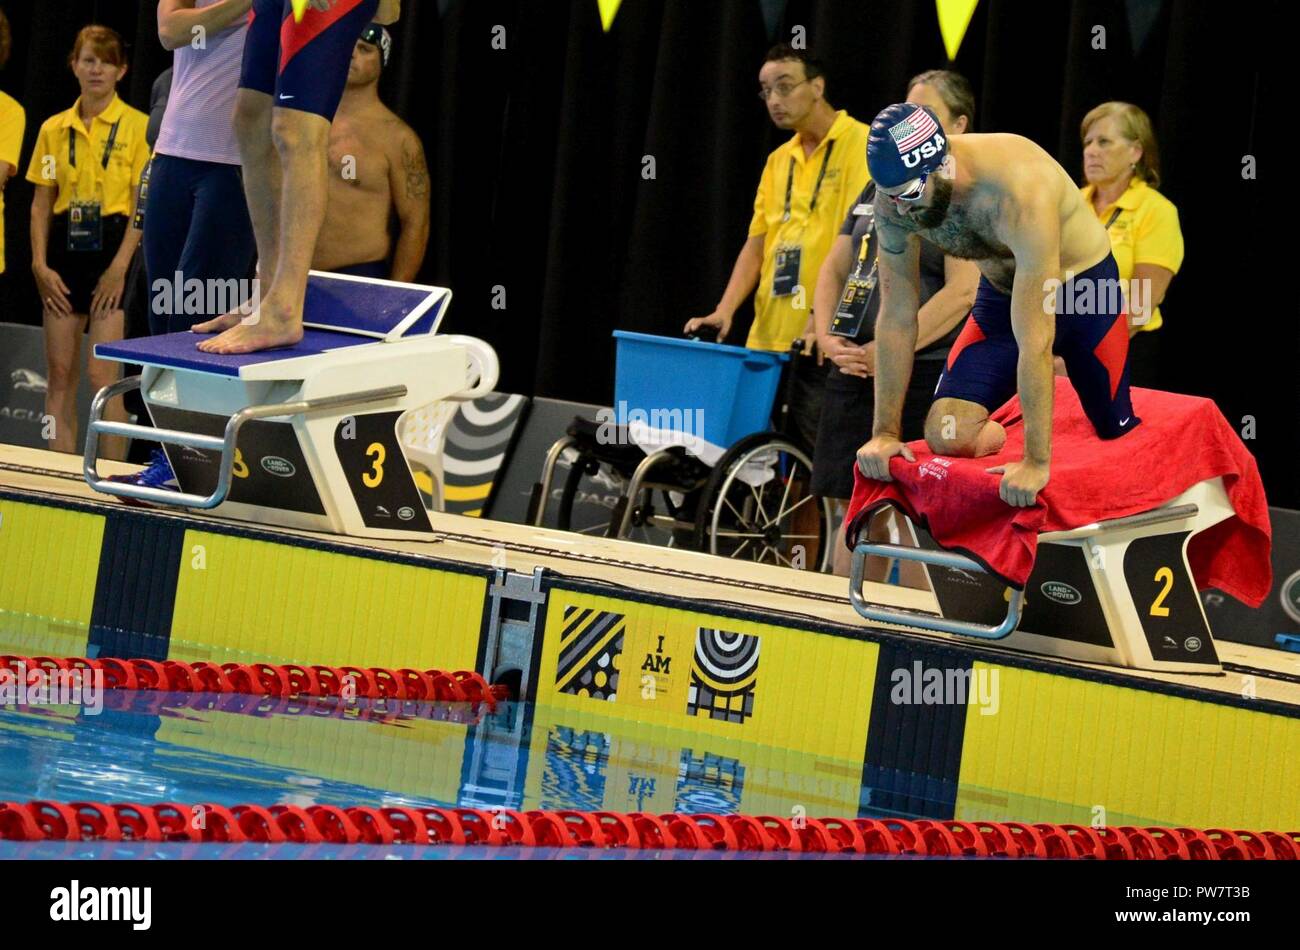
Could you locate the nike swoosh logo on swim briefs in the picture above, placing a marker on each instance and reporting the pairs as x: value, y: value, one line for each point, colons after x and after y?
x: 283, y: 96
x: 1124, y: 422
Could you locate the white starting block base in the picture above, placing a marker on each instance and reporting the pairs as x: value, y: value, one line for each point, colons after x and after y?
x: 308, y: 436
x: 1118, y: 592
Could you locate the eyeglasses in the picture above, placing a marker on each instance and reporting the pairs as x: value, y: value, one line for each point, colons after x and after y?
x: 913, y: 193
x: 781, y: 89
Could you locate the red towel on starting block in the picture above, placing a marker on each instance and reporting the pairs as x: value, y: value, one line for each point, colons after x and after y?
x: 1182, y: 440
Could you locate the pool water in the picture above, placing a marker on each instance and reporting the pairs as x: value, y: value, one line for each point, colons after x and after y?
x: 227, y: 749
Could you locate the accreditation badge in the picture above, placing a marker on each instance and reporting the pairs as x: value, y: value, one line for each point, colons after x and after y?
x: 785, y: 276
x: 851, y: 313
x: 85, y: 226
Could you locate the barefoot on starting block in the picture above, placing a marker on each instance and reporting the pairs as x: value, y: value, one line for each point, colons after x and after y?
x: 270, y: 326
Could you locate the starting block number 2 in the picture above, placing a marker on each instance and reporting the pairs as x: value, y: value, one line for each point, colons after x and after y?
x: 1165, y: 575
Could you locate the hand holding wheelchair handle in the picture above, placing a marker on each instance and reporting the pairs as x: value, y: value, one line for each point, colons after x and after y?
x: 704, y: 333
x: 717, y: 324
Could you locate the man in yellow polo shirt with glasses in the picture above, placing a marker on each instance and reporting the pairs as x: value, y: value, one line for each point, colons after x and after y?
x: 808, y: 187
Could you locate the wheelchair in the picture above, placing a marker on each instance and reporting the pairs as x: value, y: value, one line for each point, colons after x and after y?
x: 753, y: 503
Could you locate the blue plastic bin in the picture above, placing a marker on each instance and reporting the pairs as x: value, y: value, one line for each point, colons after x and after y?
x: 689, y: 385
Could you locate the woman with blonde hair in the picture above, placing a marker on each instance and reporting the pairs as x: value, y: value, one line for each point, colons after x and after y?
x: 1121, y: 166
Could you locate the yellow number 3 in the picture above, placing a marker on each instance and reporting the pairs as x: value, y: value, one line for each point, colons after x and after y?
x: 1157, y: 607
x: 239, y: 469
x: 372, y: 478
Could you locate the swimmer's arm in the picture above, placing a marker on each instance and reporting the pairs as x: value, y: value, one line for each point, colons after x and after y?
x: 177, y: 19
x: 1034, y: 236
x: 408, y: 179
x: 1153, y: 281
x: 898, y: 265
x: 951, y: 304
x: 389, y: 11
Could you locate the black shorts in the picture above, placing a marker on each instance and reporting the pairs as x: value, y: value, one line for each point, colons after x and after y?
x: 81, y: 270
x: 848, y: 408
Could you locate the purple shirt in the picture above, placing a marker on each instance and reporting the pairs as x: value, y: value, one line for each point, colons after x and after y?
x: 199, y: 123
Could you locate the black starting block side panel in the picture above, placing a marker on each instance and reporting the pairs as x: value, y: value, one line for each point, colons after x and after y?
x: 270, y: 469
x: 1167, y: 603
x: 377, y: 474
x: 1061, y: 599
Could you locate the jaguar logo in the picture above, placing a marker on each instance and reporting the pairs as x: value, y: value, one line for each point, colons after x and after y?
x: 1060, y: 592
x: 281, y: 468
x: 27, y: 380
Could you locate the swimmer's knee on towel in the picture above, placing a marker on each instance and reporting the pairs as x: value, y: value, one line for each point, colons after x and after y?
x: 960, y: 429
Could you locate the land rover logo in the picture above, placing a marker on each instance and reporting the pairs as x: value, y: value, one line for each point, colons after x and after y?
x: 1060, y: 592
x: 274, y: 465
x: 406, y: 514
x: 1192, y: 644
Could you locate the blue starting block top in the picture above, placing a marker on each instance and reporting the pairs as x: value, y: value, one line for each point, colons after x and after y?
x: 340, y: 311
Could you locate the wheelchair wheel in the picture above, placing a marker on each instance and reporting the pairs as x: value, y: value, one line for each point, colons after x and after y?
x: 757, y: 506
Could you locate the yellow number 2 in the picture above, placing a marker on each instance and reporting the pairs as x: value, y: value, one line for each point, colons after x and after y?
x: 1166, y: 575
x: 372, y: 478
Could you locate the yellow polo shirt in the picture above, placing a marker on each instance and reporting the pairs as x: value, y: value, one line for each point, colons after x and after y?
x: 89, y: 180
x: 779, y: 321
x: 1145, y: 231
x: 13, y: 120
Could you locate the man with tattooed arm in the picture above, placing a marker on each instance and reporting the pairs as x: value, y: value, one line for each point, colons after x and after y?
x: 377, y: 218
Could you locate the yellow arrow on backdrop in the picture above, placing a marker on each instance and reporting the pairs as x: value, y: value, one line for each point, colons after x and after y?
x: 608, y: 10
x: 954, y: 18
x: 299, y: 10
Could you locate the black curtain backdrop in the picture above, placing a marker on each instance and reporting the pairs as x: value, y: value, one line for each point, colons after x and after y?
x: 538, y: 152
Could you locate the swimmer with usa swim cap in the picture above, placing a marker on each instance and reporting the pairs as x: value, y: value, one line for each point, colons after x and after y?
x: 1004, y: 203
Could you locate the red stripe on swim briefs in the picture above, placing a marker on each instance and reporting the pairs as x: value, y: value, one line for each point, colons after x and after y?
x: 1113, y: 351
x: 970, y: 333
x: 294, y: 36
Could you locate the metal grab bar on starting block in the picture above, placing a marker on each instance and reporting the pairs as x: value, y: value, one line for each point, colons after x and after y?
x: 225, y: 445
x: 1116, y: 591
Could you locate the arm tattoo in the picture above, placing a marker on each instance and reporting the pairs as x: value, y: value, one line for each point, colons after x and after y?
x: 417, y: 175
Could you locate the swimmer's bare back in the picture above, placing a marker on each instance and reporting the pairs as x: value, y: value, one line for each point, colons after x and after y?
x: 997, y: 179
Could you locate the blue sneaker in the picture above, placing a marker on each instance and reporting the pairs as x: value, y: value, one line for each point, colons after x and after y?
x: 157, y: 474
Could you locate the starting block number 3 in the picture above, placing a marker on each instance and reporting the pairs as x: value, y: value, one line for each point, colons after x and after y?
x: 375, y: 477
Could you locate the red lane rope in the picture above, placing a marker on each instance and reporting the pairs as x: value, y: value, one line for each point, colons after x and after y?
x: 327, y: 824
x: 269, y: 679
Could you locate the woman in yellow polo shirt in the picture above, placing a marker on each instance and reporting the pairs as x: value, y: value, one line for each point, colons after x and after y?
x: 86, y: 167
x: 1122, y: 166
x: 12, y: 122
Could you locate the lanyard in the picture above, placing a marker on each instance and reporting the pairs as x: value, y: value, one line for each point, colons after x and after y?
x: 869, y: 195
x: 108, y: 146
x: 1113, y: 216
x: 789, y: 181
